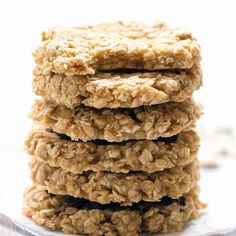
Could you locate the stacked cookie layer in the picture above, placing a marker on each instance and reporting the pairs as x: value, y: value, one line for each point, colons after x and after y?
x: 113, y: 147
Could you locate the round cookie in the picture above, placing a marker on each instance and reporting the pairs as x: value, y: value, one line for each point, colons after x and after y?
x: 117, y: 125
x: 118, y: 45
x: 117, y: 90
x: 74, y: 216
x: 58, y: 150
x: 106, y: 187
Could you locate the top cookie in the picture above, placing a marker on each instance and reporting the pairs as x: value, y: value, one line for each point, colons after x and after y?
x: 119, y: 45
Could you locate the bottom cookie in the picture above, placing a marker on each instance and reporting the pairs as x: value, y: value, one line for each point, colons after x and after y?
x: 76, y: 215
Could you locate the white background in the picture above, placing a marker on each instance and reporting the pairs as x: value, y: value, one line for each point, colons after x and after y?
x: 21, y: 22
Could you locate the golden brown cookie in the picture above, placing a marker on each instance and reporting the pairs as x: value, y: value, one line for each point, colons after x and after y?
x: 117, y: 125
x: 58, y: 150
x: 117, y: 90
x: 78, y: 216
x: 106, y: 187
x: 119, y: 45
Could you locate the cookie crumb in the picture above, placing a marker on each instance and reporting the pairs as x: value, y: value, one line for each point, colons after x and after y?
x: 210, y: 164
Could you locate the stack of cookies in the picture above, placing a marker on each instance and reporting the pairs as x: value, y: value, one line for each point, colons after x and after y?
x: 113, y: 150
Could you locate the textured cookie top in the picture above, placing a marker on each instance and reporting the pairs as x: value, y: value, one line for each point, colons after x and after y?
x: 109, y: 46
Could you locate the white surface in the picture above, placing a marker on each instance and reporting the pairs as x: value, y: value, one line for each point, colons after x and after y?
x: 212, y: 22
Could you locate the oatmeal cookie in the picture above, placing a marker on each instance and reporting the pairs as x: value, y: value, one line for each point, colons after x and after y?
x: 119, y: 45
x: 57, y: 150
x: 106, y: 187
x: 79, y: 216
x: 117, y: 125
x: 117, y: 90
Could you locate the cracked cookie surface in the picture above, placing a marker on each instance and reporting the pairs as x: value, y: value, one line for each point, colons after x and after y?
x: 117, y: 90
x: 144, y: 155
x: 117, y: 125
x: 109, y: 46
x: 106, y: 187
x: 54, y: 212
